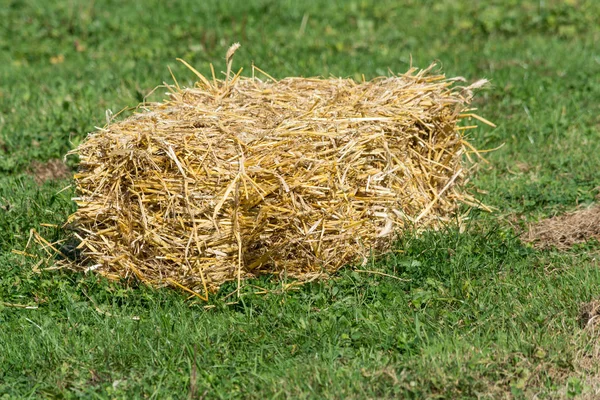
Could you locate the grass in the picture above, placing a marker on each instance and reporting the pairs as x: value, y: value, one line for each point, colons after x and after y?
x: 474, y: 314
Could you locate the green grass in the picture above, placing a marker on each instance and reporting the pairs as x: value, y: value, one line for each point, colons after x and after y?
x: 474, y: 314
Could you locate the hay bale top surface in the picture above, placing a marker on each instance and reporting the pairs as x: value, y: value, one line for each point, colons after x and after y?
x: 300, y: 176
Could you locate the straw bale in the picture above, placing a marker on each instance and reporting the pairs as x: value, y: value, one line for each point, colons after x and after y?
x: 244, y: 176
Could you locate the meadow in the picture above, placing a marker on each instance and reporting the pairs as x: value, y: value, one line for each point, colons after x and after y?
x: 459, y: 313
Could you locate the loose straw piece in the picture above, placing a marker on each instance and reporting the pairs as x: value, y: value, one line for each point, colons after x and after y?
x: 15, y: 305
x: 382, y: 274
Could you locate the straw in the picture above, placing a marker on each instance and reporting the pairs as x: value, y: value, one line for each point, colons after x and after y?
x: 244, y: 176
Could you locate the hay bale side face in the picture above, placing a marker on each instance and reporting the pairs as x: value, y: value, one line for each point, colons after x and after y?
x: 224, y: 181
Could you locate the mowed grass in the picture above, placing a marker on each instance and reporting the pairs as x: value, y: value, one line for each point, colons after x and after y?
x: 471, y: 314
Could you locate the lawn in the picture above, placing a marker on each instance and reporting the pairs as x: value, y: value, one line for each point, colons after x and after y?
x: 457, y: 313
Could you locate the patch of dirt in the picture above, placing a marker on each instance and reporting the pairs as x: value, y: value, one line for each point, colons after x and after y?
x: 50, y: 170
x: 587, y: 361
x: 589, y: 314
x: 564, y: 231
